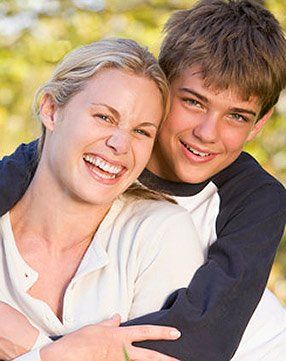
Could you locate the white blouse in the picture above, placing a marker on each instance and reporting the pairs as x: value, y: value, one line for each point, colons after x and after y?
x: 142, y: 251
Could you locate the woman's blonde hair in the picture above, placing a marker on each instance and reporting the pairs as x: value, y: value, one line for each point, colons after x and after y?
x: 81, y: 64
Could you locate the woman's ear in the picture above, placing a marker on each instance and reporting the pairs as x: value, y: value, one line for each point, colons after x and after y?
x: 48, y: 108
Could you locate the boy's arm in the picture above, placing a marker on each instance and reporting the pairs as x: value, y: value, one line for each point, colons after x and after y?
x: 213, y: 312
x: 16, y: 171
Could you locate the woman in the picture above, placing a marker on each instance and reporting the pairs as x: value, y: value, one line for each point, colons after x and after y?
x: 81, y: 244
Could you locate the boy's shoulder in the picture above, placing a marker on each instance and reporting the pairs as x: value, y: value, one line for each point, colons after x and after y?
x: 248, y: 194
x: 243, y: 167
x: 243, y: 185
x: 246, y: 176
x: 245, y: 173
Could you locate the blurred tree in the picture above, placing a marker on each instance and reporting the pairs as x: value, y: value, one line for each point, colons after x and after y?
x: 35, y: 34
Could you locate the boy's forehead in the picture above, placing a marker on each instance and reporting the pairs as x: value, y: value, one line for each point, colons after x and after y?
x: 194, y: 76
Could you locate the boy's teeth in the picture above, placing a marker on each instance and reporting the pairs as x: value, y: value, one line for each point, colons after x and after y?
x: 196, y: 152
x: 102, y: 164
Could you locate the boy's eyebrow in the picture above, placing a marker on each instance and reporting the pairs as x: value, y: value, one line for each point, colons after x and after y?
x: 198, y: 95
x: 148, y: 124
x: 205, y: 100
x: 242, y: 110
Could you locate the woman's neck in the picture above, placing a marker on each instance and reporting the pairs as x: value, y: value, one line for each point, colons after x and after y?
x: 53, y: 216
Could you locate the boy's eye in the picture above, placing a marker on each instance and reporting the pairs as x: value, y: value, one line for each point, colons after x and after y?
x: 142, y: 132
x: 192, y: 102
x: 239, y: 117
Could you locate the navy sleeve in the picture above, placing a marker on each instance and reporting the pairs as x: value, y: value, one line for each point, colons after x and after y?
x: 16, y: 172
x: 213, y: 312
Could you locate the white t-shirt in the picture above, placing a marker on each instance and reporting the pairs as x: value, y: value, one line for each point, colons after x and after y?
x: 142, y: 251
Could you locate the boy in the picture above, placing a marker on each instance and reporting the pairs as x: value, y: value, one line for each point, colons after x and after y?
x: 226, y: 63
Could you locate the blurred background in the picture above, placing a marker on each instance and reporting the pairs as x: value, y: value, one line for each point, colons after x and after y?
x: 36, y: 34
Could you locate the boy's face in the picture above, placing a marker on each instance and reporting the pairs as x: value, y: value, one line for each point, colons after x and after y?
x: 205, y: 131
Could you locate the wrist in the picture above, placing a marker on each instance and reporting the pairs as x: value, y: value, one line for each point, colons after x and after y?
x: 53, y: 352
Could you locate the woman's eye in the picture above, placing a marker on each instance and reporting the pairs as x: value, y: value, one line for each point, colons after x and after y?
x: 103, y: 117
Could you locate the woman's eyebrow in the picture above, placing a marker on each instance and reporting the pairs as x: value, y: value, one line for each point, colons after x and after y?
x: 117, y: 115
x: 110, y: 108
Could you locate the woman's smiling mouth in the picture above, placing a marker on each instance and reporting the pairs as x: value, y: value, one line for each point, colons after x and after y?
x: 102, y: 168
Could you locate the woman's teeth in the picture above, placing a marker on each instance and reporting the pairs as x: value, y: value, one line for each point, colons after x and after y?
x: 103, y: 165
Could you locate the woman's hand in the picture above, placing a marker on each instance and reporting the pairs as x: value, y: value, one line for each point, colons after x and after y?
x: 17, y: 335
x: 106, y: 341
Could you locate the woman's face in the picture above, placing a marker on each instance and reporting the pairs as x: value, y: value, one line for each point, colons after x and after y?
x: 101, y: 140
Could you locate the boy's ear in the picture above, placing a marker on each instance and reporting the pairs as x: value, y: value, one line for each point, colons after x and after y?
x: 259, y: 125
x: 47, y: 111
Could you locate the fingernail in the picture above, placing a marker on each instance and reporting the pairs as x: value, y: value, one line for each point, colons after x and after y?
x: 175, y: 333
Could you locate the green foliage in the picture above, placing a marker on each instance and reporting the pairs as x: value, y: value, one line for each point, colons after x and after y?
x: 126, y: 357
x: 35, y: 34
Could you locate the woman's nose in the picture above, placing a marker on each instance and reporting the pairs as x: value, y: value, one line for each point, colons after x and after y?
x: 119, y: 141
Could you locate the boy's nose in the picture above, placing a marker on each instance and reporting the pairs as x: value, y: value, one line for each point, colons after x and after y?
x: 207, y: 129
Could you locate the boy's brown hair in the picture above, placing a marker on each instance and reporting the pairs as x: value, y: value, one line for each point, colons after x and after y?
x: 237, y: 43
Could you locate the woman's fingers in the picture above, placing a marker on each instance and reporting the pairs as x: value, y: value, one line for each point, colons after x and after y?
x: 114, y: 321
x: 142, y: 354
x: 150, y: 332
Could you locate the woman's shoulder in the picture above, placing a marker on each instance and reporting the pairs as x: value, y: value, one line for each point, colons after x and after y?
x: 154, y: 216
x: 149, y: 208
x: 151, y: 228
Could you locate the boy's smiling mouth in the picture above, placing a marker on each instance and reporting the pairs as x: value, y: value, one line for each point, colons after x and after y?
x: 195, y: 151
